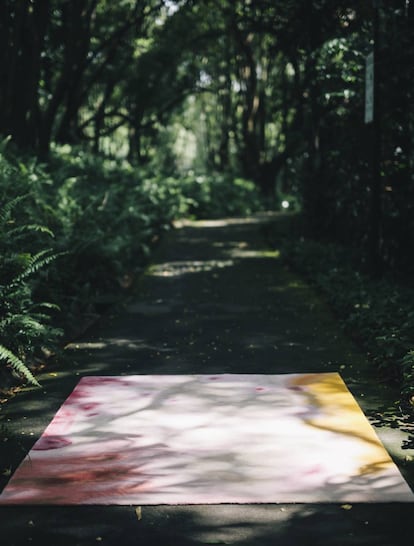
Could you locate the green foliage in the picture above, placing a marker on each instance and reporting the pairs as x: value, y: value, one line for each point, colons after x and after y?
x: 18, y: 366
x: 109, y: 215
x: 270, y: 91
x: 376, y: 313
x: 72, y: 230
x: 220, y: 195
x: 23, y: 321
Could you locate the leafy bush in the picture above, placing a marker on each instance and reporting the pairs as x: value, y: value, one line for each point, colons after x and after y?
x: 376, y: 313
x: 100, y: 217
x: 219, y: 195
x: 23, y: 320
x: 108, y: 216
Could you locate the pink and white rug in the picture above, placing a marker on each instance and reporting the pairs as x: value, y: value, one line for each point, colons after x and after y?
x: 202, y: 439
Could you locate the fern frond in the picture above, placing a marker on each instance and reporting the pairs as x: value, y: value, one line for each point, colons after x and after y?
x: 4, y: 143
x: 36, y: 262
x: 45, y: 305
x: 30, y: 227
x: 18, y: 365
x: 28, y: 323
x: 6, y: 209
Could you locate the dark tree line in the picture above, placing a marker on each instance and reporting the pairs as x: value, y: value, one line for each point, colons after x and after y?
x: 61, y: 64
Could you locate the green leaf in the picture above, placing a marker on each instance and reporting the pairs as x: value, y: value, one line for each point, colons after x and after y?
x: 18, y: 365
x: 31, y: 227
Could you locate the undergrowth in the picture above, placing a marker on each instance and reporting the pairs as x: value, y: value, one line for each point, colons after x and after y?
x: 76, y: 231
x: 377, y: 314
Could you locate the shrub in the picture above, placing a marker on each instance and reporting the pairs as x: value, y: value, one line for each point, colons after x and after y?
x: 376, y: 313
x: 219, y: 195
x: 24, y: 322
x: 110, y: 214
x: 100, y: 217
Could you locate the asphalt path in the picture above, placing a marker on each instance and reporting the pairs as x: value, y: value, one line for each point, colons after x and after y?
x: 217, y: 298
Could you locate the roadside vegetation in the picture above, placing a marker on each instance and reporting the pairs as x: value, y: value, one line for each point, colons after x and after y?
x: 74, y: 234
x: 376, y: 312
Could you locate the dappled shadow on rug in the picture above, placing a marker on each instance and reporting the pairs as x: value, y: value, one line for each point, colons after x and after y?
x: 208, y: 439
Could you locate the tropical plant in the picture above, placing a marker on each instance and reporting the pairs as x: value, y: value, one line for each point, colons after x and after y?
x: 23, y: 321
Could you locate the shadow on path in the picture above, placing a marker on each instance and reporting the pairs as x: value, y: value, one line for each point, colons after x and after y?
x: 241, y: 525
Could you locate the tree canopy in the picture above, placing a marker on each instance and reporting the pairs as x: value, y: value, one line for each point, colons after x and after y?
x: 272, y: 91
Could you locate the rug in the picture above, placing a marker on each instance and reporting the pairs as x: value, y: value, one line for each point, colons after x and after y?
x: 208, y: 439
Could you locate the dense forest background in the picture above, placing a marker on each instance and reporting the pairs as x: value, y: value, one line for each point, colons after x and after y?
x: 118, y: 117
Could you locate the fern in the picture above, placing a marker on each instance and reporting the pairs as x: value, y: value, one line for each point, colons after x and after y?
x: 24, y: 218
x: 46, y: 305
x: 18, y: 365
x: 7, y: 208
x: 4, y: 143
x: 36, y: 262
x: 22, y: 322
x: 16, y: 232
x: 30, y: 324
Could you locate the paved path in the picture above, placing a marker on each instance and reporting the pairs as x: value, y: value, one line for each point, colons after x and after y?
x: 215, y: 300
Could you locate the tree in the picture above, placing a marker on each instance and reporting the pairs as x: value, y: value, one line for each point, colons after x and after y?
x: 23, y: 29
x: 62, y: 59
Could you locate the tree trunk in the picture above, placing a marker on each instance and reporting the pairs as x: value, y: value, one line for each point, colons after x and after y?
x: 27, y: 25
x: 313, y: 193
